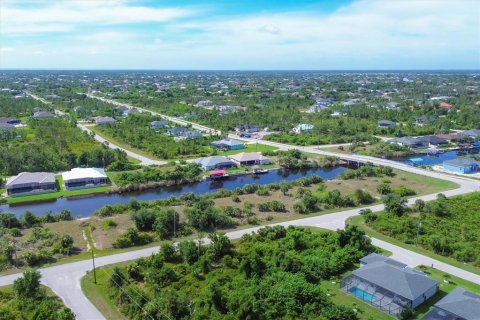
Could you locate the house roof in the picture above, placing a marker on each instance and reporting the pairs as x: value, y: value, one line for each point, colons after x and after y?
x: 228, y: 142
x: 461, y: 162
x: 211, y: 161
x: 304, y: 126
x: 31, y: 177
x: 471, y: 133
x: 247, y: 156
x: 395, y: 277
x: 432, y: 139
x: 43, y: 114
x: 386, y: 122
x: 83, y: 173
x: 104, y: 119
x: 406, y: 140
x: 461, y: 303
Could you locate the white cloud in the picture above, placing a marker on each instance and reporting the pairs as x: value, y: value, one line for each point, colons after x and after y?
x: 65, y: 16
x: 362, y: 35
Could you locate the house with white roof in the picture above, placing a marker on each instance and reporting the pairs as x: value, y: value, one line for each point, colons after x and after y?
x: 249, y: 158
x: 79, y: 178
x: 303, y: 127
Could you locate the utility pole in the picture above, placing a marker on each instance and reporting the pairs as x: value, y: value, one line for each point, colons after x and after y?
x: 94, y: 272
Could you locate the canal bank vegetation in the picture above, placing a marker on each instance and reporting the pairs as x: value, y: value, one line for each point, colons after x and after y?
x: 281, y: 270
x: 447, y: 226
x: 222, y: 211
x: 28, y: 299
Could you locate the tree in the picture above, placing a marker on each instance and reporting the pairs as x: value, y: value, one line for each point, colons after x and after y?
x: 144, y: 219
x: 220, y: 246
x: 66, y: 243
x: 28, y: 287
x: 117, y: 278
x: 167, y: 222
x: 284, y: 187
x: 29, y: 220
x: 354, y: 236
x: 395, y: 204
x: 439, y: 207
x: 190, y: 251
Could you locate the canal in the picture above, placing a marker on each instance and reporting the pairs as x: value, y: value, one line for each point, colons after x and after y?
x: 86, y: 206
x: 437, y: 159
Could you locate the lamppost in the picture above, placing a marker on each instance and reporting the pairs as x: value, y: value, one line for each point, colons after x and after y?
x: 93, y: 261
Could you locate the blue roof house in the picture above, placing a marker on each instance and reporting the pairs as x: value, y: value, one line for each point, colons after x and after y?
x: 214, y: 162
x: 461, y: 165
x: 228, y: 144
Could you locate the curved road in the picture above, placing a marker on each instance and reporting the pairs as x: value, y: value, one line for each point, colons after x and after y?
x: 64, y: 280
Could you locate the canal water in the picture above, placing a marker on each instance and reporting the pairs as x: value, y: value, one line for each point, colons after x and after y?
x: 431, y: 160
x: 86, y: 206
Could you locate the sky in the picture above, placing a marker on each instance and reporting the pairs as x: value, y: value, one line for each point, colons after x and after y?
x: 240, y: 35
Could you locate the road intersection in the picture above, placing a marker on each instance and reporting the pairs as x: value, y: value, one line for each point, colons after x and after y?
x: 64, y: 279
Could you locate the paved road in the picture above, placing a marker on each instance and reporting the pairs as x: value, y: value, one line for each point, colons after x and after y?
x: 64, y: 280
x: 144, y: 160
x: 180, y: 121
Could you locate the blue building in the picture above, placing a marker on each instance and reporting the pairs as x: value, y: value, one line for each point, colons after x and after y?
x: 461, y: 165
x: 228, y: 144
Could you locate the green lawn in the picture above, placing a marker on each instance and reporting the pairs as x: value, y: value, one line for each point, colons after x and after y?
x: 432, y: 185
x: 359, y: 221
x: 59, y: 194
x: 447, y: 283
x: 253, y: 147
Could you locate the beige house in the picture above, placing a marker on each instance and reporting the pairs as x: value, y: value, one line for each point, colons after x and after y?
x: 249, y: 158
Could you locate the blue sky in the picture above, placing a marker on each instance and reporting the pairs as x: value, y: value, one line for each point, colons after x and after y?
x: 248, y: 34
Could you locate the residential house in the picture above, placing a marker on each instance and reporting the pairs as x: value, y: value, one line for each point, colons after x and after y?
x: 176, y: 131
x: 249, y: 128
x: 473, y: 133
x: 445, y: 106
x: 31, y: 183
x: 105, y: 120
x: 157, y: 125
x: 12, y: 121
x: 432, y: 141
x: 389, y: 285
x: 249, y: 158
x: 461, y: 165
x: 453, y: 137
x: 423, y: 120
x: 303, y: 127
x: 79, y: 178
x: 214, y: 162
x: 193, y: 134
x: 228, y: 144
x: 459, y: 304
x: 43, y: 115
x: 409, y: 142
x: 386, y: 124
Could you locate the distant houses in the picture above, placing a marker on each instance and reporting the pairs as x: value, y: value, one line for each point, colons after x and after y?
x: 176, y: 131
x: 43, y: 115
x: 388, y: 284
x: 79, y: 178
x: 31, y: 183
x: 303, y: 127
x: 408, y: 142
x: 158, y: 124
x: 459, y: 304
x: 386, y: 124
x: 472, y: 133
x: 249, y: 128
x: 228, y: 144
x: 99, y: 121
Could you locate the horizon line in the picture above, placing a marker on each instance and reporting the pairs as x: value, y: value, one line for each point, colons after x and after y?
x: 237, y: 70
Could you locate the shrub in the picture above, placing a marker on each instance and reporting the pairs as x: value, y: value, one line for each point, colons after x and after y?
x: 384, y: 188
x: 107, y: 224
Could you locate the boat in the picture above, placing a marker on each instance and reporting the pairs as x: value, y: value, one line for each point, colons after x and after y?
x: 218, y: 174
x: 258, y: 170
